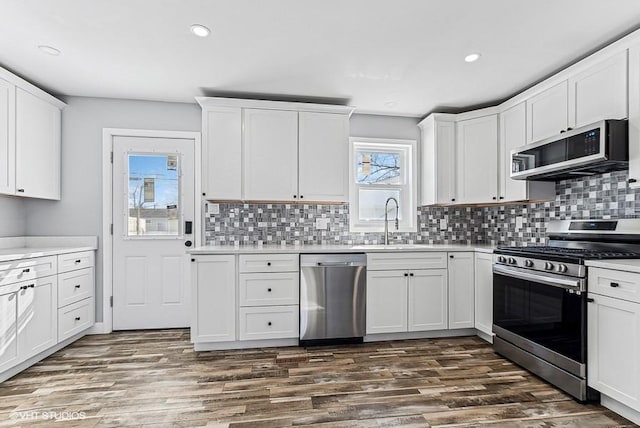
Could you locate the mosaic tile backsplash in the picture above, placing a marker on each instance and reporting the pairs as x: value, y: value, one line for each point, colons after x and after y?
x: 602, y: 196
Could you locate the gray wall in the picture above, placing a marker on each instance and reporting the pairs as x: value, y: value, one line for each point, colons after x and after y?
x: 80, y: 210
x: 12, y: 216
x: 377, y: 126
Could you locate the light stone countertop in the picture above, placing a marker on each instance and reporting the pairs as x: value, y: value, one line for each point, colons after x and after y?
x: 318, y: 248
x: 628, y: 265
x: 17, y: 248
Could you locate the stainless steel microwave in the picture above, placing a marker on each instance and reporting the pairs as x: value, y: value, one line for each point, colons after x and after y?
x: 593, y: 149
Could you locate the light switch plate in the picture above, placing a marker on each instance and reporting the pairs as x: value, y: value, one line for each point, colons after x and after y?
x: 322, y: 223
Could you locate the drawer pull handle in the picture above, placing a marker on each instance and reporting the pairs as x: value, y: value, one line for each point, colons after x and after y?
x: 614, y: 284
x: 27, y: 270
x: 406, y: 274
x: 411, y: 274
x: 269, y: 290
x: 78, y: 261
x: 269, y: 323
x: 590, y: 300
x: 268, y: 263
x: 24, y: 287
x: 77, y: 286
x: 77, y: 318
x: 31, y: 286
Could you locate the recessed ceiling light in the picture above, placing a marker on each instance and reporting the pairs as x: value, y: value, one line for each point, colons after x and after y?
x: 472, y: 57
x: 49, y: 50
x: 200, y: 30
x: 391, y: 104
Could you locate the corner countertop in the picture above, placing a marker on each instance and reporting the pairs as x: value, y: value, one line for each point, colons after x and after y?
x: 26, y: 247
x: 627, y: 265
x: 319, y: 248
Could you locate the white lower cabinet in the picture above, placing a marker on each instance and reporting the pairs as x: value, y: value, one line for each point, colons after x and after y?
x: 386, y: 301
x: 483, y: 273
x: 37, y: 316
x: 613, y: 336
x: 461, y: 290
x: 74, y: 318
x: 214, y: 298
x: 269, y: 322
x: 427, y: 300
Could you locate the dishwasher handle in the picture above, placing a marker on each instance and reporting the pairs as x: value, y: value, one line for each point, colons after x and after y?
x: 340, y: 264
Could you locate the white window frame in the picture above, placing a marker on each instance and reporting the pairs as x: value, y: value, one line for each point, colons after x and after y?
x: 408, y: 204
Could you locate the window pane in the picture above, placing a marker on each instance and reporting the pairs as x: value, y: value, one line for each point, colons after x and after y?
x: 378, y: 167
x: 372, y: 203
x: 153, y: 207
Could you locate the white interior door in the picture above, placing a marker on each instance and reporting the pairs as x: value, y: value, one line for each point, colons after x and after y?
x: 153, y: 199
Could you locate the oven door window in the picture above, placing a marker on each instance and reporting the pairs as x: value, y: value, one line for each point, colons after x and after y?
x: 549, y: 316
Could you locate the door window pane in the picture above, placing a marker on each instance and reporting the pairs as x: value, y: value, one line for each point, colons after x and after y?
x: 378, y: 167
x: 372, y: 202
x: 153, y: 207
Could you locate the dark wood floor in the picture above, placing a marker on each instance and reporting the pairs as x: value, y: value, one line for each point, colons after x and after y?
x: 155, y: 379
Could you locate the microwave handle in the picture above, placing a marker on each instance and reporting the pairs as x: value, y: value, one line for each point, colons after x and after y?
x: 571, y: 284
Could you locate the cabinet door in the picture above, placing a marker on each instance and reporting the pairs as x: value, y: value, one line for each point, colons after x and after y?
x: 461, y: 293
x: 513, y: 133
x: 323, y: 157
x: 600, y: 92
x: 7, y: 138
x: 222, y: 153
x: 547, y: 113
x: 8, y: 327
x: 613, y: 356
x: 37, y: 147
x: 427, y: 300
x: 37, y: 316
x: 477, y: 154
x: 634, y: 116
x: 270, y: 166
x: 214, y: 299
x: 483, y: 272
x: 386, y: 301
x: 445, y: 133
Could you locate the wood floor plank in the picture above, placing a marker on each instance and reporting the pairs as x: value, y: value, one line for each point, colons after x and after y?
x: 155, y: 379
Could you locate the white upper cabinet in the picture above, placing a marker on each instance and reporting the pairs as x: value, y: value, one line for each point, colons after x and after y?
x: 547, y: 113
x: 513, y: 133
x: 30, y: 122
x: 438, y: 159
x: 477, y: 159
x: 222, y: 152
x: 599, y: 92
x: 37, y: 147
x: 270, y: 167
x: 7, y: 137
x: 323, y: 149
x: 634, y: 116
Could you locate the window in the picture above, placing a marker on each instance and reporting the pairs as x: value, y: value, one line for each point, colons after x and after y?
x: 382, y: 169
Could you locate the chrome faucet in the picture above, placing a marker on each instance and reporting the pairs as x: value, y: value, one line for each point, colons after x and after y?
x: 386, y: 219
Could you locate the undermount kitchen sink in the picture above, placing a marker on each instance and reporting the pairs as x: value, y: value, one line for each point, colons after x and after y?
x: 388, y: 247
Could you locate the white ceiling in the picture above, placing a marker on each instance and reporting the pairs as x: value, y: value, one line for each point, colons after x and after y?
x: 365, y: 53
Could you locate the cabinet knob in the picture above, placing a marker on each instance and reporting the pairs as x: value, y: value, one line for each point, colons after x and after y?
x: 268, y: 263
x: 27, y: 270
x: 614, y: 284
x: 77, y: 286
x: 406, y: 274
x: 269, y: 290
x: 78, y: 261
x: 501, y: 197
x: 301, y: 196
x: 590, y: 300
x: 269, y: 323
x: 632, y: 180
x: 453, y: 199
x: 411, y: 274
x: 562, y: 130
x: 494, y: 198
x: 295, y: 196
x: 193, y: 260
x: 451, y: 256
x: 569, y: 129
x: 31, y: 286
x: 20, y: 190
x: 24, y: 287
x: 77, y: 318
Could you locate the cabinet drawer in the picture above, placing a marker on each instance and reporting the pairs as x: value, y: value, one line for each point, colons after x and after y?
x: 74, y: 318
x: 615, y: 283
x: 75, y: 261
x: 75, y: 286
x: 269, y: 289
x: 269, y: 322
x: 27, y: 269
x: 269, y: 263
x: 401, y: 260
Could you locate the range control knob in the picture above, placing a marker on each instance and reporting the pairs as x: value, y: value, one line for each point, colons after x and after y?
x: 548, y: 266
x: 528, y: 263
x: 512, y: 261
x: 501, y: 259
x: 562, y: 268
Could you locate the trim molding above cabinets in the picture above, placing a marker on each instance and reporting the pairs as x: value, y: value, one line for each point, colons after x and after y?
x: 255, y: 150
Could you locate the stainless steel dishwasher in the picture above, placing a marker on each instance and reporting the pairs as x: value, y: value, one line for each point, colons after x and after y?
x: 332, y: 298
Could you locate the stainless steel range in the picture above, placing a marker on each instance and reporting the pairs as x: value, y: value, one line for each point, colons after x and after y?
x: 540, y: 297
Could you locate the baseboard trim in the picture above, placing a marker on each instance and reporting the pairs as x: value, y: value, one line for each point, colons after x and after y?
x: 99, y: 328
x: 621, y: 409
x: 420, y: 335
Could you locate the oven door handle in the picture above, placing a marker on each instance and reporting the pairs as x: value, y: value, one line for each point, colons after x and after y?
x: 553, y: 281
